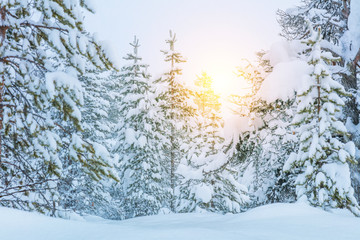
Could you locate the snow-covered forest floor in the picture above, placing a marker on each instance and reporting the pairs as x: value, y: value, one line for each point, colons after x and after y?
x: 276, y: 221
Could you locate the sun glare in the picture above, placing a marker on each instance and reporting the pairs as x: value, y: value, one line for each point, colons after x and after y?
x: 225, y: 82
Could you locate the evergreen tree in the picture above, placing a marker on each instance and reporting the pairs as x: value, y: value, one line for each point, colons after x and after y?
x: 321, y: 164
x: 331, y: 16
x: 209, y: 120
x: 265, y: 142
x: 113, y: 85
x: 176, y: 102
x: 208, y: 181
x: 338, y: 21
x: 211, y: 186
x: 139, y: 142
x: 100, y: 91
x: 79, y: 191
x: 277, y: 142
x: 40, y: 102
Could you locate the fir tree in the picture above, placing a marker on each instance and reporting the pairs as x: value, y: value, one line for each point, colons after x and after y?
x: 331, y: 16
x: 139, y: 142
x: 209, y: 120
x: 211, y: 187
x: 100, y: 90
x: 277, y: 142
x: 322, y: 162
x: 337, y: 19
x: 79, y: 191
x: 266, y: 141
x: 208, y: 181
x: 40, y: 100
x: 176, y: 102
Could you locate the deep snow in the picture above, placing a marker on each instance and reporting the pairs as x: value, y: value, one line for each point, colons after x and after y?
x: 276, y: 221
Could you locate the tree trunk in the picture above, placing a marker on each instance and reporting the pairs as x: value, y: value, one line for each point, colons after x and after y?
x: 2, y: 89
x: 349, y: 81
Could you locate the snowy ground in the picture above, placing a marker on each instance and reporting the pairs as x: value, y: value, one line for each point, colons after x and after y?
x: 277, y: 221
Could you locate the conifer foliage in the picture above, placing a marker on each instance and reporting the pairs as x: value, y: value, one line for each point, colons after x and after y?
x: 331, y: 16
x: 209, y: 120
x: 176, y: 102
x: 207, y: 176
x: 78, y: 135
x: 39, y: 111
x: 266, y: 141
x: 79, y: 191
x: 139, y: 142
x: 322, y: 162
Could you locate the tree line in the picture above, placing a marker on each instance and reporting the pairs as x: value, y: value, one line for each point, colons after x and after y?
x: 79, y: 135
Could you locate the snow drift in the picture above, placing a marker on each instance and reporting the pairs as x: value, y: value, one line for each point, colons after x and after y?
x: 276, y: 221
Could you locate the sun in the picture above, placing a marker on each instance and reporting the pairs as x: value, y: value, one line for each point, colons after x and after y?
x: 225, y: 82
x: 223, y: 74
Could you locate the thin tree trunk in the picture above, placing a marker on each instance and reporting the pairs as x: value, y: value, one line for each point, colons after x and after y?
x: 349, y: 81
x: 3, y: 30
x: 172, y: 140
x: 319, y: 99
x: 2, y: 87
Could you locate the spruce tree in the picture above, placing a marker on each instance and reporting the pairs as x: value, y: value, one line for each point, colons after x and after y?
x: 79, y: 191
x: 139, y: 143
x: 338, y: 22
x: 176, y: 102
x: 322, y: 161
x: 277, y: 142
x: 211, y: 186
x: 100, y: 91
x: 209, y: 119
x: 265, y: 141
x: 331, y: 16
x: 40, y: 60
x: 208, y: 181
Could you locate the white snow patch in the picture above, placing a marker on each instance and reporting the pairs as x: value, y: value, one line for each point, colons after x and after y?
x: 130, y: 136
x: 276, y: 221
x: 280, y: 52
x: 351, y: 38
x: 234, y: 125
x: 286, y: 78
x: 204, y: 193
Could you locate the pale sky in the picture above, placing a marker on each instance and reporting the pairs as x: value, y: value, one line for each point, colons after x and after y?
x: 213, y: 35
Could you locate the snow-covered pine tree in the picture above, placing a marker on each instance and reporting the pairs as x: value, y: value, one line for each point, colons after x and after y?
x: 176, y: 102
x: 330, y: 15
x: 265, y: 142
x: 140, y: 141
x: 39, y: 102
x: 349, y: 77
x: 277, y: 142
x: 335, y: 17
x: 212, y: 186
x: 79, y: 191
x: 113, y: 85
x: 322, y: 161
x: 338, y: 20
x: 208, y: 181
x: 243, y: 149
x: 209, y: 121
x: 100, y: 89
